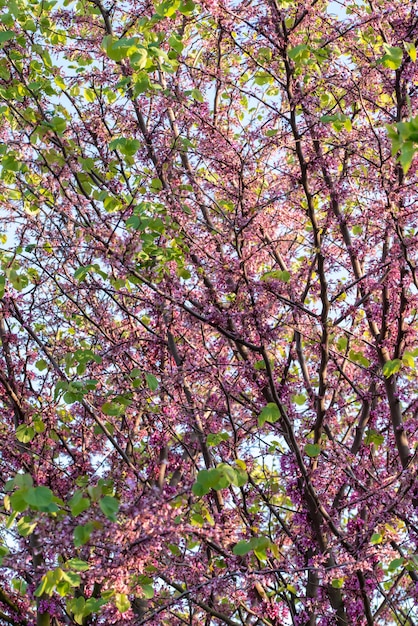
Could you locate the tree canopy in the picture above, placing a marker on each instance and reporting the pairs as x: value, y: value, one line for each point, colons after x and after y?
x: 208, y: 312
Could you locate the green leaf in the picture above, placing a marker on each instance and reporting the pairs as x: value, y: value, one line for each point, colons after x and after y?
x: 113, y: 408
x: 4, y: 551
x: 156, y: 184
x: 133, y: 222
x: 25, y: 526
x: 118, y: 49
x: 18, y: 501
x: 299, y: 53
x: 299, y: 399
x: 130, y: 147
x: 241, y: 477
x: 82, y: 272
x: 152, y: 382
x: 19, y: 281
x: 141, y: 83
x: 39, y: 496
x: 211, y: 479
x: 312, y: 449
x: 10, y: 164
x: 228, y: 473
x: 11, y: 520
x: 109, y: 506
x: 411, y: 50
x: 339, y: 121
x: 71, y: 578
x: 42, y: 587
x: 70, y: 397
x: 122, y: 603
x: 48, y: 582
x: 60, y: 386
x: 260, y: 548
x: 199, y: 490
x: 167, y: 8
x: 89, y: 95
x: 258, y: 545
x: 186, y: 7
x: 30, y: 26
x: 176, y: 44
x: 214, y: 439
x: 25, y: 433
x: 2, y: 285
x: 337, y: 583
x: 391, y: 367
x: 283, y: 276
x: 395, y: 564
x: 376, y: 538
x: 6, y: 35
x: 242, y: 548
x: 82, y: 534
x: 408, y: 359
x: 58, y: 124
x: 78, y: 564
x: 19, y: 585
x: 197, y: 520
x: 358, y: 357
x: 270, y: 414
x: 372, y: 436
x: 78, y: 504
x: 140, y: 58
x: 41, y: 365
x: 406, y: 156
x: 393, y: 57
x: 208, y: 478
x: 63, y: 588
x: 23, y: 480
x: 95, y: 492
x: 77, y: 607
x: 197, y: 95
x: 148, y: 591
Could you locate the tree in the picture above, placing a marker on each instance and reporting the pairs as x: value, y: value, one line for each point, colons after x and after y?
x: 208, y: 312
